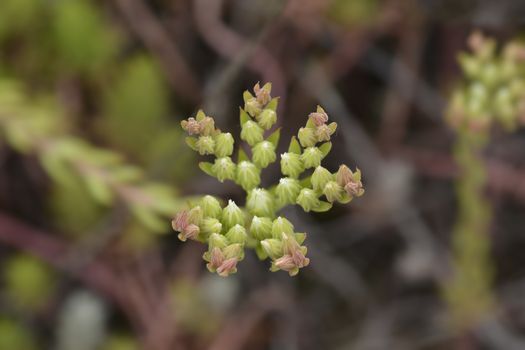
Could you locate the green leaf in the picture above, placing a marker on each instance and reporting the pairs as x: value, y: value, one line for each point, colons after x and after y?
x: 322, y: 207
x: 274, y: 137
x: 306, y: 182
x: 310, y: 124
x: 273, y: 104
x: 295, y: 147
x: 242, y: 156
x: 99, y: 189
x: 325, y: 148
x: 207, y: 168
x: 345, y: 199
x: 192, y: 142
x: 150, y: 219
x: 261, y: 254
x: 244, y: 117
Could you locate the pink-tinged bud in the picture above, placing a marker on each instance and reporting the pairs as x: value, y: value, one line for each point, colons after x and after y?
x: 191, y: 126
x: 207, y: 126
x: 320, y: 117
x: 228, y: 267
x: 180, y: 222
x: 323, y: 133
x: 343, y: 175
x: 190, y: 232
x: 216, y: 259
x: 262, y: 94
x: 354, y: 189
x: 285, y: 263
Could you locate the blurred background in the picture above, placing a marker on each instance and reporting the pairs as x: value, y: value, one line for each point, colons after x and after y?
x: 94, y: 166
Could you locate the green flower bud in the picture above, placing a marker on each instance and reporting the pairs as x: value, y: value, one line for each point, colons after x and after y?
x: 267, y: 118
x: 261, y: 228
x: 195, y: 215
x: 217, y: 241
x: 307, y: 137
x: 205, y: 145
x: 333, y: 191
x: 260, y: 202
x: 232, y: 215
x: 224, y: 169
x: 209, y: 226
x: 224, y: 145
x: 291, y: 164
x: 320, y: 178
x: 211, y: 207
x: 312, y: 157
x: 263, y: 154
x: 280, y: 227
x: 287, y: 190
x: 234, y: 250
x: 272, y: 247
x: 253, y: 107
x: 308, y: 199
x: 248, y: 175
x: 207, y: 126
x: 252, y: 133
x: 237, y: 234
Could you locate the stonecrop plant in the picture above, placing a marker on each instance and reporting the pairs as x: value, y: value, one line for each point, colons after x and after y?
x: 229, y: 229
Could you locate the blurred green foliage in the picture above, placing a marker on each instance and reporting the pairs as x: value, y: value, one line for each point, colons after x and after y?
x: 353, y: 13
x: 29, y: 283
x: 15, y: 336
x: 120, y: 342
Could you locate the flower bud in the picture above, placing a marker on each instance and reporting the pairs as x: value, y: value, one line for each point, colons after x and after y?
x: 232, y: 215
x: 205, y: 145
x: 267, y: 118
x: 252, y: 133
x: 272, y: 247
x: 285, y: 263
x: 287, y: 190
x: 191, y: 126
x: 224, y: 169
x: 207, y: 126
x: 354, y: 187
x: 210, y: 225
x: 190, y: 232
x: 333, y: 191
x: 253, y: 107
x: 234, y: 250
x: 291, y: 164
x: 211, y: 207
x: 195, y: 215
x: 263, y: 154
x: 323, y: 133
x: 280, y: 227
x: 248, y: 175
x: 319, y: 118
x: 224, y: 145
x: 320, y: 178
x: 343, y: 175
x: 260, y: 202
x: 228, y: 267
x: 308, y: 199
x: 261, y: 228
x: 263, y: 94
x: 312, y: 157
x: 307, y: 137
x: 217, y: 240
x: 237, y: 234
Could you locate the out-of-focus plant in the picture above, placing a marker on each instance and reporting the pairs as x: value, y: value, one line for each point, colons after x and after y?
x: 492, y: 94
x: 33, y: 127
x: 230, y: 229
x: 14, y: 336
x: 29, y: 283
x: 120, y: 342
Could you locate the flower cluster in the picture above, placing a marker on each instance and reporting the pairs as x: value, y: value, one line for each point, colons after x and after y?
x: 229, y: 229
x: 494, y: 91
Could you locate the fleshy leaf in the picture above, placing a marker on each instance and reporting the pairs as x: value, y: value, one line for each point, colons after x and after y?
x: 294, y: 147
x: 244, y: 117
x: 274, y: 137
x: 207, y: 168
x: 322, y: 207
x: 192, y: 142
x: 242, y: 156
x: 273, y: 104
x: 325, y: 148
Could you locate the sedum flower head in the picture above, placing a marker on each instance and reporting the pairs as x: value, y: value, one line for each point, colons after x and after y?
x: 263, y: 154
x: 230, y: 230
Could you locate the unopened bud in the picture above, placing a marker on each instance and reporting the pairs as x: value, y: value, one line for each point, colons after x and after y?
x: 205, y: 145
x: 323, y: 133
x: 207, y: 126
x: 287, y: 190
x: 228, y: 267
x: 234, y: 250
x: 191, y: 126
x: 237, y: 234
x: 291, y: 164
x: 312, y: 157
x: 252, y: 133
x: 280, y: 227
x: 232, y: 215
x: 267, y: 118
x: 210, y: 225
x: 211, y: 207
x: 263, y: 154
x: 272, y: 247
x: 308, y: 199
x: 260, y: 202
x: 343, y: 175
x: 263, y: 94
x: 253, y: 107
x: 190, y: 232
x: 307, y: 137
x: 320, y: 117
x: 248, y: 175
x: 224, y: 168
x: 224, y: 145
x: 285, y: 263
x: 217, y: 240
x: 261, y: 228
x: 320, y: 177
x: 333, y: 191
